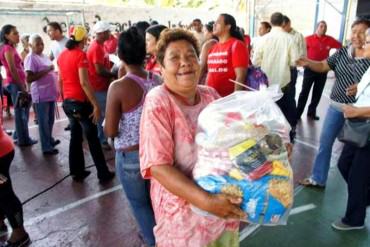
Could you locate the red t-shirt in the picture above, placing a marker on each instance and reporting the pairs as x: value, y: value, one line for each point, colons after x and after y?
x: 153, y: 66
x: 318, y: 48
x: 222, y: 60
x: 6, y: 142
x: 96, y: 54
x: 69, y: 62
x: 111, y: 44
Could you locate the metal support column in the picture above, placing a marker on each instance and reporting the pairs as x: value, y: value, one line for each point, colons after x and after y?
x: 316, y: 15
x: 252, y: 19
x: 343, y: 21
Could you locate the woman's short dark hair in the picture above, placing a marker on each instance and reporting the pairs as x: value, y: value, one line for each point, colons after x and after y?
x: 5, y: 30
x: 171, y: 35
x: 155, y: 30
x: 365, y: 22
x: 266, y: 24
x: 234, y: 32
x: 131, y: 47
x: 141, y: 26
x: 71, y: 44
x: 56, y: 26
x: 209, y: 26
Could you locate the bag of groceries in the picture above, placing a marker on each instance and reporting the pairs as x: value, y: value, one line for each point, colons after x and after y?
x: 241, y: 152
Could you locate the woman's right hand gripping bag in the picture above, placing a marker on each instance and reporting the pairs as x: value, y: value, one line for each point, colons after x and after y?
x: 241, y: 152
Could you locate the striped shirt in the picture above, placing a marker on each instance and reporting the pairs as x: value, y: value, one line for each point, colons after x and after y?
x: 348, y: 70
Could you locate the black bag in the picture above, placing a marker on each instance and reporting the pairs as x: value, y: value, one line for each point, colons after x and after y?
x: 23, y: 100
x: 355, y: 131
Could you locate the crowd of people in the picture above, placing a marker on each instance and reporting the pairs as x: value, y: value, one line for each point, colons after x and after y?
x: 149, y: 103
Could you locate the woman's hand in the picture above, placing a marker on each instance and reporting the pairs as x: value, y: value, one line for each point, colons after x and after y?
x: 289, y: 149
x: 95, y: 115
x: 225, y: 206
x: 351, y: 90
x: 303, y: 62
x: 3, y: 179
x: 350, y: 111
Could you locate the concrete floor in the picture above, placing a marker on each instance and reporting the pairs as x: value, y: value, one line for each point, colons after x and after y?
x: 89, y: 214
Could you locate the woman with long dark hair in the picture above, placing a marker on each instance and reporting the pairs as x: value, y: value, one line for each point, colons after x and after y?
x: 81, y: 107
x: 15, y: 82
x: 228, y: 59
x: 151, y: 38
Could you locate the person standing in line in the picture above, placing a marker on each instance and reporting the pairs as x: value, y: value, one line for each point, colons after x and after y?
x: 168, y: 153
x: 300, y: 44
x: 59, y: 40
x: 99, y: 73
x: 275, y: 54
x: 58, y: 44
x: 81, y: 107
x: 353, y: 163
x: 40, y: 73
x: 10, y: 206
x: 151, y: 37
x: 229, y: 58
x: 197, y: 29
x: 349, y: 65
x: 318, y: 47
x: 15, y: 83
x: 122, y: 122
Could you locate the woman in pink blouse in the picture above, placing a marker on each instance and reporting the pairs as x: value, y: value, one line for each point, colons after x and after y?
x: 168, y: 152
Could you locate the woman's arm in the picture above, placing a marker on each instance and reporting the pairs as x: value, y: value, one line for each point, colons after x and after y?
x: 9, y: 57
x: 34, y: 76
x: 112, y: 110
x: 350, y: 111
x: 178, y: 184
x: 204, y: 56
x: 319, y: 67
x: 240, y: 73
x: 85, y: 84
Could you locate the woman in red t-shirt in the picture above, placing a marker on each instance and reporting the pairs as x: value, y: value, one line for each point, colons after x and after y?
x: 228, y: 59
x: 81, y: 107
x: 10, y: 206
x: 151, y: 37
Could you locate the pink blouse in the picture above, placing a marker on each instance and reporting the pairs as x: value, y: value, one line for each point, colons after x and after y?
x: 167, y: 136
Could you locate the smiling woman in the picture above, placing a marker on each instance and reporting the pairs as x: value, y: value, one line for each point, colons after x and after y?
x: 168, y: 152
x: 353, y: 163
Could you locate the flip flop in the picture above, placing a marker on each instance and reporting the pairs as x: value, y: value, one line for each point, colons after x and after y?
x: 309, y: 182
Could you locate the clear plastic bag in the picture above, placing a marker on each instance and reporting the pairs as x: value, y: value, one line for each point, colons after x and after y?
x: 241, y: 151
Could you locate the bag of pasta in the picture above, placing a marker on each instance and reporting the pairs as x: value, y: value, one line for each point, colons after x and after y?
x: 241, y: 152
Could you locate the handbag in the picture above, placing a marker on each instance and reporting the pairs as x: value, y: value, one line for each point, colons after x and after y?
x: 23, y: 100
x: 355, y: 131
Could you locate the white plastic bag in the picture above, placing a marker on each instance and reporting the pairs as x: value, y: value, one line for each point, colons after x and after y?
x: 241, y: 151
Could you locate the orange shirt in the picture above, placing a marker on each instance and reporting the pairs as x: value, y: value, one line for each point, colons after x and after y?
x: 69, y: 62
x: 6, y: 143
x: 96, y: 54
x: 223, y: 58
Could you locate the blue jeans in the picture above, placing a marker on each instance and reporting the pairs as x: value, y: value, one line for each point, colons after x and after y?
x: 45, y: 113
x: 21, y: 116
x: 333, y: 123
x: 101, y: 98
x: 137, y: 192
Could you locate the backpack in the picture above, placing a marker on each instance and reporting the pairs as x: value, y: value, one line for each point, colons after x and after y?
x: 256, y: 77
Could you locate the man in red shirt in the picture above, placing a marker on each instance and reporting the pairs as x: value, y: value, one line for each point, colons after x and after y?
x: 99, y: 72
x: 318, y: 47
